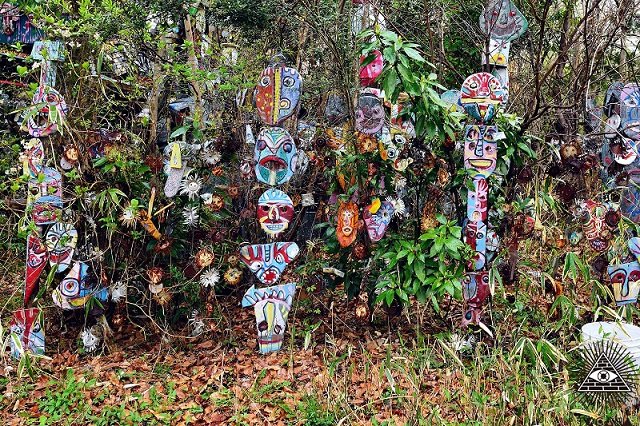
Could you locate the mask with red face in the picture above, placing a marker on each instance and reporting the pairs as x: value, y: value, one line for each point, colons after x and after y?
x: 275, y: 212
x: 372, y: 70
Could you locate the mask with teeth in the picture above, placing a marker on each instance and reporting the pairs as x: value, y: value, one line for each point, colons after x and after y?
x: 275, y: 155
x: 275, y: 211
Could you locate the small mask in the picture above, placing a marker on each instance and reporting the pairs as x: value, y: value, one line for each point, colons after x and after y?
x: 498, y: 53
x: 268, y: 261
x: 37, y: 257
x: 347, y: 229
x: 275, y: 211
x: 372, y: 70
x: 480, y: 149
x: 625, y: 280
x: 471, y: 316
x: 275, y: 155
x: 477, y: 200
x: 61, y: 241
x: 74, y: 291
x: 475, y: 288
x: 623, y: 151
x: 45, y: 197
x: 26, y: 326
x: 369, y: 113
x: 593, y: 225
x: 502, y: 20
x: 50, y: 104
x: 271, y: 306
x: 630, y: 111
x: 377, y: 222
x: 481, y: 95
x: 277, y: 93
x: 475, y: 236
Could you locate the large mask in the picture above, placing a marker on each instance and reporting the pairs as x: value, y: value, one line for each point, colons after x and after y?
x: 369, y: 113
x: 277, y: 93
x: 475, y: 236
x: 275, y: 155
x: 480, y: 149
x: 502, y: 20
x: 477, y: 200
x: 630, y: 111
x: 481, y: 95
x: 268, y: 261
x: 372, y: 70
x: 45, y: 197
x: 37, y: 257
x: 61, y: 242
x: 625, y: 280
x: 593, y: 225
x: 271, y: 306
x: 51, y: 108
x: 475, y: 288
x: 26, y: 326
x: 347, y: 229
x: 377, y: 222
x: 275, y: 211
x: 74, y: 291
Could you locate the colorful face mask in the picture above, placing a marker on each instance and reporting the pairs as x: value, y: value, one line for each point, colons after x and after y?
x: 37, y: 257
x: 268, y: 261
x: 391, y: 144
x: 45, y: 197
x: 74, y: 291
x: 630, y: 111
x: 502, y: 20
x: 477, y: 200
x: 624, y: 151
x: 61, y: 242
x: 475, y: 236
x: 17, y: 27
x: 26, y: 327
x: 625, y: 280
x: 481, y: 95
x: 277, y: 93
x: 275, y: 155
x: 471, y: 316
x: 630, y: 203
x: 475, y: 288
x: 593, y: 225
x: 378, y: 222
x: 498, y: 53
x: 275, y: 211
x: 452, y: 98
x: 33, y: 158
x: 347, y: 229
x: 51, y: 109
x: 369, y: 114
x: 372, y: 70
x: 271, y: 306
x: 480, y: 149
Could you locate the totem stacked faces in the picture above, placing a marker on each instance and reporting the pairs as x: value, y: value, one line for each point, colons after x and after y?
x: 481, y: 96
x: 277, y: 96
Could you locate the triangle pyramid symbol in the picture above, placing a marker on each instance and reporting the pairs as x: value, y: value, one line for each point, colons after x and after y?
x: 603, y: 377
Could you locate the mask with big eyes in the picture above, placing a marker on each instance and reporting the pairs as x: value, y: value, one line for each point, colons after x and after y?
x: 481, y: 95
x: 369, y: 114
x: 61, y: 241
x: 347, y: 229
x: 625, y: 280
x: 378, y: 222
x: 502, y: 20
x: 480, y: 149
x: 75, y: 291
x: 372, y: 70
x: 594, y: 226
x: 277, y: 93
x: 477, y: 200
x: 275, y: 211
x: 51, y: 109
x: 475, y: 236
x: 275, y: 155
x: 630, y: 111
x: 475, y: 288
x: 26, y: 324
x: 268, y: 261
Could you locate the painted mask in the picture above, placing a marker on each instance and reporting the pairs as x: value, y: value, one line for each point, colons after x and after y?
x: 275, y: 211
x: 268, y: 261
x: 593, y: 225
x: 33, y: 158
x: 369, y: 113
x: 61, y: 242
x: 477, y: 200
x: 498, y: 53
x: 630, y: 111
x: 26, y: 326
x: 277, y: 93
x: 481, y: 95
x: 347, y: 229
x: 471, y: 316
x: 625, y: 280
x: 372, y: 70
x: 74, y: 291
x: 17, y: 27
x: 452, y: 98
x: 275, y: 155
x: 45, y: 197
x: 50, y: 104
x: 377, y: 222
x: 630, y: 202
x: 480, y: 149
x: 391, y: 144
x: 37, y: 257
x: 623, y: 151
x: 475, y: 235
x: 475, y: 288
x: 502, y: 20
x: 271, y: 306
x: 612, y: 99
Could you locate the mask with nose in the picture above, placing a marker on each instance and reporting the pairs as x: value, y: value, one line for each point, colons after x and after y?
x: 275, y: 211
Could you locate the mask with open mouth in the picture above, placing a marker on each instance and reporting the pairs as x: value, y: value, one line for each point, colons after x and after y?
x: 275, y: 211
x: 61, y: 240
x: 625, y: 280
x: 45, y: 197
x: 347, y: 229
x: 277, y: 93
x: 481, y: 95
x: 369, y: 113
x: 271, y: 306
x: 268, y: 261
x: 630, y: 111
x: 498, y: 53
x: 276, y: 156
x: 480, y: 149
x: 27, y: 326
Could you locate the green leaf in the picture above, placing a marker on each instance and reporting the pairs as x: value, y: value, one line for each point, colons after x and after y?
x: 390, y: 82
x: 389, y: 55
x: 406, y: 74
x: 413, y: 54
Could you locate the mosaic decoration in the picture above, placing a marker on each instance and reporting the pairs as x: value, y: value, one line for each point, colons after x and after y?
x: 275, y: 156
x: 61, y: 241
x: 502, y: 20
x: 27, y: 328
x: 74, y: 291
x: 372, y: 70
x: 480, y: 149
x: 268, y: 261
x: 277, y: 93
x: 481, y: 96
x: 625, y: 281
x: 271, y: 306
x: 49, y: 104
x: 37, y: 258
x: 347, y: 229
x: 377, y: 219
x: 275, y: 212
x: 370, y: 114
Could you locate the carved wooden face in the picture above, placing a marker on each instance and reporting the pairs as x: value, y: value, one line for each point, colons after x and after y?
x: 481, y: 95
x: 502, y: 20
x: 372, y: 70
x: 369, y: 114
x: 625, y: 280
x: 275, y: 155
x: 275, y: 211
x: 268, y: 261
x: 475, y: 288
x: 630, y: 111
x: 27, y: 325
x: 347, y: 229
x: 378, y: 222
x: 480, y: 149
x: 277, y: 93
